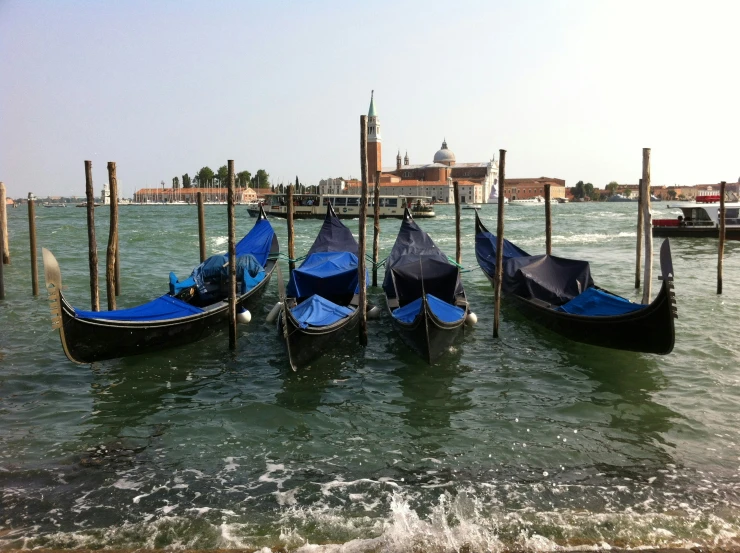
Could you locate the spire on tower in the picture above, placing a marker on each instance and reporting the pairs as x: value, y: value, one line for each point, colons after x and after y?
x: 371, y: 111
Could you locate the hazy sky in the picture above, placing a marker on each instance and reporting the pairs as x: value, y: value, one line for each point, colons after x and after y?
x: 571, y: 89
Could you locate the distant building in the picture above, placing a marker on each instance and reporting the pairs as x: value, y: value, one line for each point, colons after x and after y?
x: 521, y: 189
x: 477, y: 181
x: 190, y: 195
x: 332, y: 186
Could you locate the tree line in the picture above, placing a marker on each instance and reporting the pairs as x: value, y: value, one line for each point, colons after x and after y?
x: 207, y: 178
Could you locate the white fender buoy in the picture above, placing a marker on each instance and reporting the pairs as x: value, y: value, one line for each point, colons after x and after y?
x: 243, y: 316
x: 471, y: 319
x: 272, y: 315
x: 373, y: 312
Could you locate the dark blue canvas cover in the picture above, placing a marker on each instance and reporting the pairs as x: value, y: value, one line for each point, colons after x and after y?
x: 598, y: 303
x: 163, y: 308
x: 415, y: 255
x: 485, y: 251
x: 317, y: 311
x: 555, y: 280
x: 442, y: 310
x: 330, y: 267
x: 325, y: 273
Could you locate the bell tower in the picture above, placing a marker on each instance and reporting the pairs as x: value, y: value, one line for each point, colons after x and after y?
x: 374, y: 142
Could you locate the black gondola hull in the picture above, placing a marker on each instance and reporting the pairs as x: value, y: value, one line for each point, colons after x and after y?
x: 305, y: 345
x: 649, y: 330
x: 429, y: 337
x: 88, y: 341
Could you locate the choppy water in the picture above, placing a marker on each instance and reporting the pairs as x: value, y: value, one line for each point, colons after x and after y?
x: 529, y: 442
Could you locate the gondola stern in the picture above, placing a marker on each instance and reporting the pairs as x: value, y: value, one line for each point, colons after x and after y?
x: 53, y: 278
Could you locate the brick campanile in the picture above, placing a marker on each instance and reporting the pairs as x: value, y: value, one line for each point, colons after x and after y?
x: 374, y: 142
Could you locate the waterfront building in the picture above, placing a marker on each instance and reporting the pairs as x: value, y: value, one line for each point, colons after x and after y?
x: 521, y: 189
x: 477, y: 181
x: 189, y: 195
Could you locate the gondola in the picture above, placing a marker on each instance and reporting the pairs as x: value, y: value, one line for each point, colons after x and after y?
x: 423, y: 292
x: 190, y: 311
x: 559, y: 294
x: 321, y: 302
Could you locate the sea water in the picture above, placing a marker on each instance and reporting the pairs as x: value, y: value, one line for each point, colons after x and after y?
x: 530, y: 441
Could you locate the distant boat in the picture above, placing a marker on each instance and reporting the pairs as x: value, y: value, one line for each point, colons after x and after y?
x: 471, y: 206
x: 84, y: 204
x: 537, y: 200
x: 620, y: 198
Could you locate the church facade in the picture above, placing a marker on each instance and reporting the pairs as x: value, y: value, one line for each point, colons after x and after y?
x: 477, y: 181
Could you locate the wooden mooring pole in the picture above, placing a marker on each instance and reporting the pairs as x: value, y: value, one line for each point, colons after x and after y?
x: 648, y: 222
x: 201, y: 227
x: 458, y: 239
x: 498, y: 276
x: 91, y: 244
x: 232, y: 258
x: 291, y: 229
x: 4, y: 243
x: 112, y: 252
x: 376, y: 227
x: 640, y: 215
x: 548, y: 221
x: 363, y: 232
x: 32, y: 240
x: 721, y: 217
x: 2, y: 278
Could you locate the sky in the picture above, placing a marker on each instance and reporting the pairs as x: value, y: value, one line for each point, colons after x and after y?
x: 572, y: 89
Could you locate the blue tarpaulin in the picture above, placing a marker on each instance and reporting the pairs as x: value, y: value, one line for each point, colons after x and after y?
x: 163, y: 308
x: 442, y: 310
x: 325, y: 273
x: 257, y: 242
x: 330, y: 267
x: 598, y: 303
x: 317, y: 311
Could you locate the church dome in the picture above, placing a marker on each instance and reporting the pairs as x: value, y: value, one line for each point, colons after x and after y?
x: 444, y: 155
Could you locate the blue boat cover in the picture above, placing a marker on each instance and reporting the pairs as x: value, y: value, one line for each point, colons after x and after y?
x: 414, y: 258
x: 555, y: 280
x: 442, y: 310
x: 317, y: 311
x: 598, y: 303
x: 257, y: 242
x: 330, y: 267
x: 324, y: 273
x: 163, y: 308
